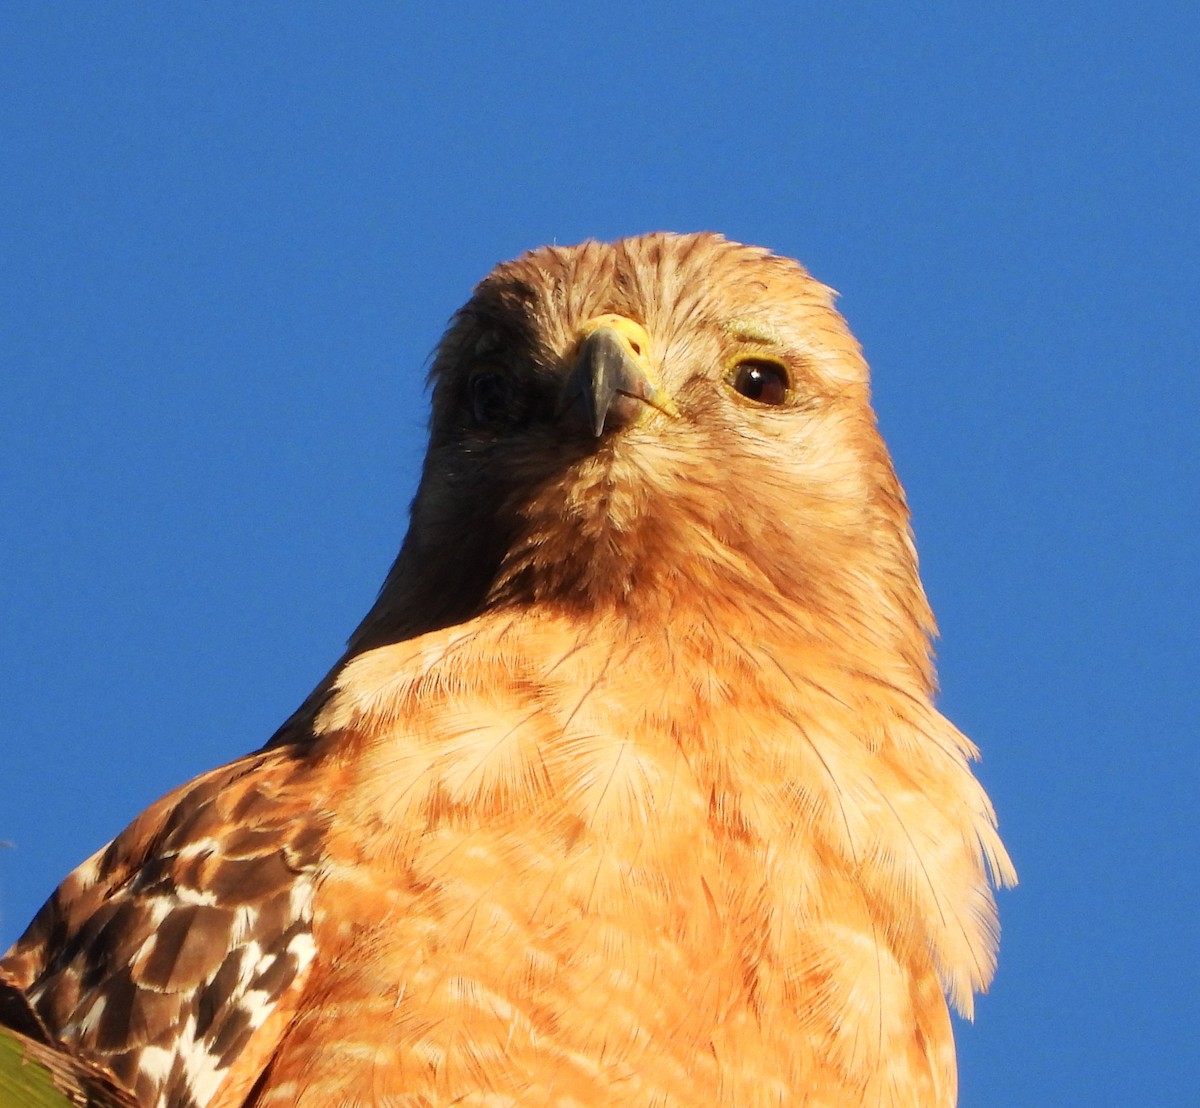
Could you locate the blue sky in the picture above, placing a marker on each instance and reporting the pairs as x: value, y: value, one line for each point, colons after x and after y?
x: 231, y: 234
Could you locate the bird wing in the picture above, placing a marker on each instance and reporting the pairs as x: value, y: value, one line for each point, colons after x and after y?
x: 163, y: 954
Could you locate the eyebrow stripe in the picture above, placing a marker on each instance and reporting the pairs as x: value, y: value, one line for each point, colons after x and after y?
x: 749, y: 330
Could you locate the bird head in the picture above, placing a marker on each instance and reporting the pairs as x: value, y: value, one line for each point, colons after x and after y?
x: 628, y: 426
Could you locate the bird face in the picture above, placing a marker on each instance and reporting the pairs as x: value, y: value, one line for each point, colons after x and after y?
x: 619, y: 422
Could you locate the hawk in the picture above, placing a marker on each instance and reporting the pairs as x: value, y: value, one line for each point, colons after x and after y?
x: 629, y: 789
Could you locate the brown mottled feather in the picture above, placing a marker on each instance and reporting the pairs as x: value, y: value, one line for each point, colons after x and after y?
x: 629, y: 789
x: 160, y: 955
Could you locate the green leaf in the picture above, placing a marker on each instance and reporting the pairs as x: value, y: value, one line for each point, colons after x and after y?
x: 25, y: 1082
x: 34, y: 1075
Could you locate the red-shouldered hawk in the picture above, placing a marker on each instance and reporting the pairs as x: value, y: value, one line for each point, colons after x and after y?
x: 629, y: 790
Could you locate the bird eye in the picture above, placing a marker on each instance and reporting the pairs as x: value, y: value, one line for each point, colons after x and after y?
x: 491, y: 398
x: 761, y: 381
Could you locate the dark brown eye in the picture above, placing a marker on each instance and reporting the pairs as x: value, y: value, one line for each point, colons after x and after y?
x: 761, y: 381
x: 491, y: 398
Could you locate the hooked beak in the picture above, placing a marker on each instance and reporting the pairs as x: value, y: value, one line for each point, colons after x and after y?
x: 611, y: 381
